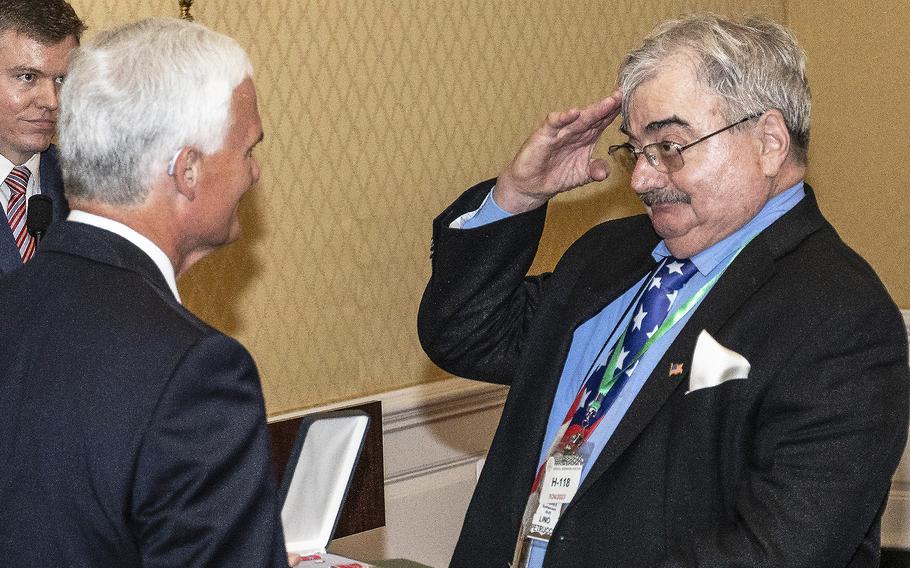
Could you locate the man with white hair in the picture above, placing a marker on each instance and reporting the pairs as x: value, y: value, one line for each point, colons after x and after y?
x: 141, y: 439
x: 719, y: 383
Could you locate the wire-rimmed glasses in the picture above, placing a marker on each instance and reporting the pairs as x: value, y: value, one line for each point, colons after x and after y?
x: 664, y: 156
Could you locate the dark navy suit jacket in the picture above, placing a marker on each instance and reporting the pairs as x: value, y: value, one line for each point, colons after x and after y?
x: 51, y: 186
x: 790, y: 466
x: 140, y: 439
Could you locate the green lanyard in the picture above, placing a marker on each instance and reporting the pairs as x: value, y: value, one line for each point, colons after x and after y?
x: 610, y: 375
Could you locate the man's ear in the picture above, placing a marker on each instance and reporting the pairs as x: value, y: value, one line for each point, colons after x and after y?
x: 774, y: 138
x: 187, y: 171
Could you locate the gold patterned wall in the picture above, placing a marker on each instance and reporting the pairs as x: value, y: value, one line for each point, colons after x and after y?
x: 377, y: 114
x: 860, y: 124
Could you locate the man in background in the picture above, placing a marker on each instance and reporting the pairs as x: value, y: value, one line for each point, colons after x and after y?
x: 140, y: 439
x: 719, y: 383
x: 36, y: 39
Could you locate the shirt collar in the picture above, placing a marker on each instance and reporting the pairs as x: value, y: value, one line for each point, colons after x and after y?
x: 157, y: 255
x: 708, y: 260
x: 6, y: 167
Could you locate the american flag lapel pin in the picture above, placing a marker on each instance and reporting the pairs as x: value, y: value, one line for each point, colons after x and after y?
x: 676, y: 369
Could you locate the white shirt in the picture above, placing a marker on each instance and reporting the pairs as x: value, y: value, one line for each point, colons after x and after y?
x: 34, y: 183
x: 144, y: 243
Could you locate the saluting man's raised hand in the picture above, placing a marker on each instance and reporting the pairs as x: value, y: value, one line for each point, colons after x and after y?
x: 557, y: 157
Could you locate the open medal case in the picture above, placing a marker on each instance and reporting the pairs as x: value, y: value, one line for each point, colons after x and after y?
x: 316, y: 482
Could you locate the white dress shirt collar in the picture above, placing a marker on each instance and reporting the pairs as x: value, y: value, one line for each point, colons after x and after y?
x: 33, y: 164
x: 157, y: 255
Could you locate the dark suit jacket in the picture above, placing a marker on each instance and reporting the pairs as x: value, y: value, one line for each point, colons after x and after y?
x: 787, y: 468
x: 51, y: 186
x: 140, y: 438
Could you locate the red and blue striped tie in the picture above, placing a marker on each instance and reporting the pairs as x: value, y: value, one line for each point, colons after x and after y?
x: 17, y: 180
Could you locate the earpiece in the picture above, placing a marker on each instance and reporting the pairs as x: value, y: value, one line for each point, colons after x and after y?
x: 172, y: 165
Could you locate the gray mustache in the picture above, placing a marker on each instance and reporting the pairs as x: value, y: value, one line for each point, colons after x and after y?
x: 661, y: 196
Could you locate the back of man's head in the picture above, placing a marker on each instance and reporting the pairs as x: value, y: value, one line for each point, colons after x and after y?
x: 753, y: 64
x: 47, y: 21
x: 137, y: 94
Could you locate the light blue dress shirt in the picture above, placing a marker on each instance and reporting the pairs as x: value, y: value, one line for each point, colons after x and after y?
x: 593, y: 341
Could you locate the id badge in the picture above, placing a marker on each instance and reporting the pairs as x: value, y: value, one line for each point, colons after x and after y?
x: 544, y: 521
x: 561, y: 478
x: 558, y: 486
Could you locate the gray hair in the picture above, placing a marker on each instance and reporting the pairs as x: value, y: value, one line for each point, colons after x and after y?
x: 136, y: 95
x: 754, y: 65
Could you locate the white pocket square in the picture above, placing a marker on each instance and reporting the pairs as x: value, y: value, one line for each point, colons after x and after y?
x: 713, y: 364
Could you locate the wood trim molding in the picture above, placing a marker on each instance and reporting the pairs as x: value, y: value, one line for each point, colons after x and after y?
x: 421, y: 404
x: 413, y: 416
x: 444, y: 400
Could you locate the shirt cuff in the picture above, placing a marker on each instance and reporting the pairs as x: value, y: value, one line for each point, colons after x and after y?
x: 488, y: 212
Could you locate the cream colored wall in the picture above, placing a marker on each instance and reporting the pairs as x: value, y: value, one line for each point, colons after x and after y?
x: 860, y: 75
x: 377, y: 114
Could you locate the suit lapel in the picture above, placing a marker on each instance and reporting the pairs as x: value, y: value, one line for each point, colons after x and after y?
x: 588, y: 291
x: 9, y: 253
x: 605, y: 287
x: 51, y: 186
x: 52, y: 182
x: 750, y: 270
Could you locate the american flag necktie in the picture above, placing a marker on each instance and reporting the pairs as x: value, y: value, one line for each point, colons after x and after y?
x: 17, y: 180
x: 583, y: 416
x: 649, y: 313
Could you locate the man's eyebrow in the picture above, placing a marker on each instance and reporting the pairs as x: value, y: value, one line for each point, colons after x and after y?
x: 658, y: 125
x: 22, y: 70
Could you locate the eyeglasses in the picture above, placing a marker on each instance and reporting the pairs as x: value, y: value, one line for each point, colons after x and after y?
x: 664, y: 156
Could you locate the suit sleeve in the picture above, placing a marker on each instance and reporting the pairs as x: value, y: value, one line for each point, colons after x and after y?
x: 204, y: 491
x: 831, y: 432
x: 478, y: 303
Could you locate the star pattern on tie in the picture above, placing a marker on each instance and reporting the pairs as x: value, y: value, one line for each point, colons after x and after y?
x: 585, y: 396
x: 660, y: 293
x: 675, y: 267
x: 620, y: 361
x: 655, y: 303
x: 639, y: 317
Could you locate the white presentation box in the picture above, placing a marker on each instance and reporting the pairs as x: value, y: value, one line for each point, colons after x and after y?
x: 316, y: 482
